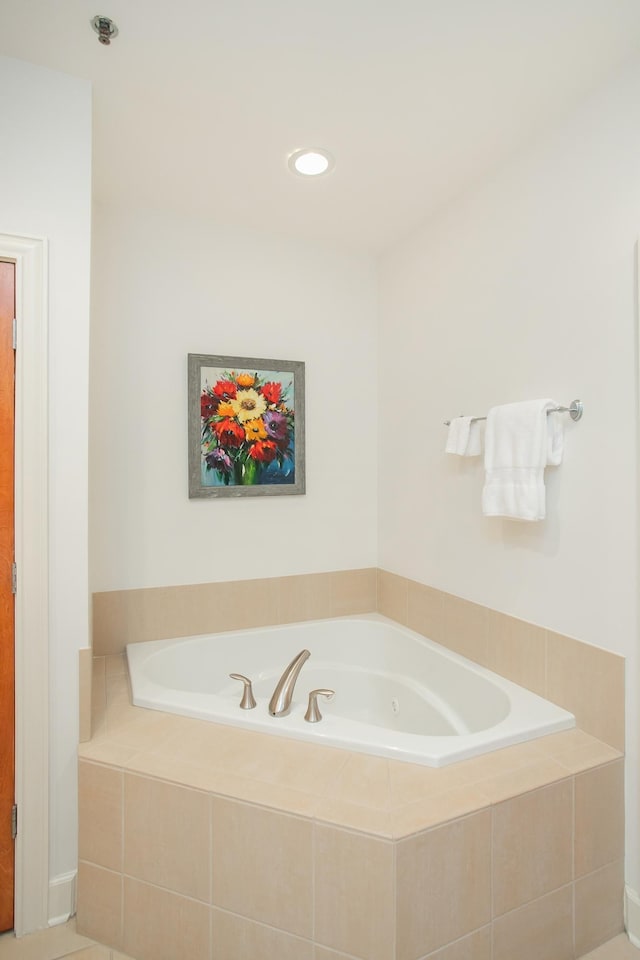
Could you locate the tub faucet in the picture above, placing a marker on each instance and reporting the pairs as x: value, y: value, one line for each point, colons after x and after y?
x: 282, y: 695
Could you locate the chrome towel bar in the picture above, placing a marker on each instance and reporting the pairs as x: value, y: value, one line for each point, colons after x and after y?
x: 575, y: 411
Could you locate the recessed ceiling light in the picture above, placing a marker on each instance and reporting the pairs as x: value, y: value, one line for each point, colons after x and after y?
x: 311, y: 162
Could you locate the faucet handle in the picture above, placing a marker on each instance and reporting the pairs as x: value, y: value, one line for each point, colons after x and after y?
x: 248, y: 701
x: 313, y: 711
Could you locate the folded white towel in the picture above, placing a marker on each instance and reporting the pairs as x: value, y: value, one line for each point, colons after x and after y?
x: 463, y: 438
x: 520, y: 440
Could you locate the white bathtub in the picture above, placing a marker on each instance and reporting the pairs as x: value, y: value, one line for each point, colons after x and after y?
x: 397, y: 694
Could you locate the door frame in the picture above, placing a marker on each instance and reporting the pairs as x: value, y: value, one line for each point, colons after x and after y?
x: 32, y: 598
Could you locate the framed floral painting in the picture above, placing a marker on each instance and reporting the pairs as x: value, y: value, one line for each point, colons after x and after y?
x: 246, y: 426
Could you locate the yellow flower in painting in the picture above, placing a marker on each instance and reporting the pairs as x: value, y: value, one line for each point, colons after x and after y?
x: 248, y: 405
x: 245, y: 380
x: 254, y: 430
x: 225, y: 409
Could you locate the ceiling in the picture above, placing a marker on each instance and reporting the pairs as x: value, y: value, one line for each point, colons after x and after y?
x: 198, y: 103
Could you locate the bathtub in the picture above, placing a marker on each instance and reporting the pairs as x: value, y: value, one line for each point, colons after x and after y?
x: 397, y: 694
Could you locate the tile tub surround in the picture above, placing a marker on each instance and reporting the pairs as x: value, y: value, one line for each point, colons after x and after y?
x: 588, y: 681
x: 157, y: 613
x: 218, y: 843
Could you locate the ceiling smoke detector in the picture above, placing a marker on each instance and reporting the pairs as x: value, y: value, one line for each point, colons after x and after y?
x: 105, y: 28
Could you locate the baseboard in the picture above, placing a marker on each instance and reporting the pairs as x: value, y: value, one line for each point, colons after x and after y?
x: 632, y: 915
x: 62, y: 898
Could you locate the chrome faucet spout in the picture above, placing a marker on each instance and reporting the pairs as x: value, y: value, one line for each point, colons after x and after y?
x: 283, y: 694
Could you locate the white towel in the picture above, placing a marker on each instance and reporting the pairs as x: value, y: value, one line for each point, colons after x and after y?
x: 463, y: 438
x: 520, y: 440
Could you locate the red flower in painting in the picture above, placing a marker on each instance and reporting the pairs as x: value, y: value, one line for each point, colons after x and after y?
x: 208, y: 406
x: 225, y: 390
x: 229, y: 433
x: 271, y: 392
x: 264, y: 451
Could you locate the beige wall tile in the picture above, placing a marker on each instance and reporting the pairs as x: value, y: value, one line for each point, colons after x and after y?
x: 465, y: 628
x: 589, y: 682
x: 443, y: 880
x: 247, y: 603
x: 115, y: 665
x: 541, y: 930
x: 85, y: 669
x: 599, y: 901
x: 306, y: 597
x: 166, y: 836
x: 353, y: 893
x: 159, y: 925
x: 132, y: 616
x: 532, y: 845
x: 99, y: 907
x: 92, y: 953
x: 323, y: 953
x: 98, y: 695
x: 517, y: 650
x: 477, y: 946
x: 393, y: 596
x: 119, y: 618
x: 262, y: 865
x: 353, y: 591
x: 235, y: 938
x: 100, y: 815
x: 599, y: 817
x: 426, y: 611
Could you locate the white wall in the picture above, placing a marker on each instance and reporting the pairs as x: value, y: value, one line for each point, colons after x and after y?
x: 525, y: 288
x: 45, y: 192
x: 163, y: 288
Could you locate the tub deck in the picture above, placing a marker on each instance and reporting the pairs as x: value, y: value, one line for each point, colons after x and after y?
x: 430, y: 857
x: 386, y: 798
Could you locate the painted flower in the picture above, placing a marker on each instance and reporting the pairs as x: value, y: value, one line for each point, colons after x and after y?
x: 218, y: 460
x: 225, y: 409
x: 248, y: 405
x: 225, y: 390
x: 255, y: 430
x: 263, y: 450
x: 276, y: 425
x: 245, y: 380
x: 271, y: 392
x: 208, y: 405
x: 229, y: 433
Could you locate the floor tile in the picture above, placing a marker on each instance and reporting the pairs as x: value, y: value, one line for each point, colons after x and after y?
x: 51, y: 944
x: 617, y: 949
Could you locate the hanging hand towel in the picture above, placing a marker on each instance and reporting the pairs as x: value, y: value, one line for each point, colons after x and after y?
x: 463, y: 438
x: 520, y: 440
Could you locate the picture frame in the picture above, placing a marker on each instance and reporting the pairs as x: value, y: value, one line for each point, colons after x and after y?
x: 246, y: 431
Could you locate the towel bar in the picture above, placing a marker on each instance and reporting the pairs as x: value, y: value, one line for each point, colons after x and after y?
x: 575, y: 411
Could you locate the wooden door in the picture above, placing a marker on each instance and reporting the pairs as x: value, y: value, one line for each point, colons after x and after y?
x: 7, y: 623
